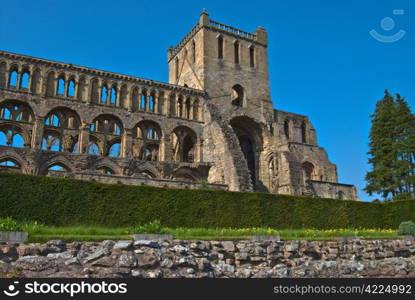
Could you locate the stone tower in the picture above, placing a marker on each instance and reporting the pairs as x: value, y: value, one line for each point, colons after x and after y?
x: 225, y: 62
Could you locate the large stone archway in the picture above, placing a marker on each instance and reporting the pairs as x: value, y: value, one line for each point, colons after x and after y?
x: 249, y: 135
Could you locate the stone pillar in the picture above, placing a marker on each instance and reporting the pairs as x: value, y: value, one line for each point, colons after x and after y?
x: 156, y: 102
x: 99, y: 92
x: 108, y: 95
x: 184, y: 108
x: 166, y: 105
x: 83, y: 138
x: 7, y: 74
x: 65, y: 88
x: 192, y: 103
x: 76, y: 88
x: 129, y: 98
x: 166, y: 148
x: 147, y: 97
x: 19, y: 79
x: 29, y: 84
x: 37, y: 132
x: 118, y: 96
x: 127, y: 143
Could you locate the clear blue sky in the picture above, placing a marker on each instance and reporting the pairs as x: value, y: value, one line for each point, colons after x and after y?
x: 323, y: 62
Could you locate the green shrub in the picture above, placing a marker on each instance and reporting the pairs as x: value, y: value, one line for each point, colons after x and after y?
x: 406, y: 228
x: 151, y: 227
x: 67, y: 202
x: 8, y: 224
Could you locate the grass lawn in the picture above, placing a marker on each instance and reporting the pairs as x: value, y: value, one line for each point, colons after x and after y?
x: 42, y: 233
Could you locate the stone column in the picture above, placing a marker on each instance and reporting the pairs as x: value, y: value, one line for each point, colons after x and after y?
x: 129, y: 98
x: 166, y: 105
x: 192, y: 102
x: 166, y: 147
x: 37, y: 132
x: 29, y: 84
x: 76, y: 88
x: 108, y: 95
x: 127, y: 143
x: 65, y: 88
x: 19, y: 79
x: 7, y: 78
x: 177, y: 104
x: 83, y: 138
x: 118, y: 97
x: 99, y: 92
x: 147, y: 96
x: 156, y: 102
x: 184, y: 108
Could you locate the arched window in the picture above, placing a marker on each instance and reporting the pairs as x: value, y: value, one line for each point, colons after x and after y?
x: 236, y: 52
x: 151, y: 102
x: 187, y: 112
x: 5, y: 114
x: 3, y: 139
x: 51, y: 142
x: 237, y: 95
x: 287, y: 129
x: 104, y: 94
x: 114, y: 150
x: 61, y: 87
x: 308, y: 171
x: 220, y: 47
x: 94, y: 150
x: 184, y: 141
x: 143, y: 101
x: 24, y: 80
x: 16, y: 111
x: 177, y: 68
x: 71, y: 88
x: 75, y: 148
x: 180, y: 107
x: 304, y: 138
x: 113, y: 98
x: 17, y: 141
x: 194, y: 51
x: 58, y: 167
x: 196, y: 110
x: 106, y: 124
x: 52, y: 120
x: 9, y: 163
x: 13, y: 78
x: 105, y: 171
x: 252, y: 56
x: 147, y: 142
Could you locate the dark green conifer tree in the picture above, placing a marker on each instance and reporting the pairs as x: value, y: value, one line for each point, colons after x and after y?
x: 391, y: 154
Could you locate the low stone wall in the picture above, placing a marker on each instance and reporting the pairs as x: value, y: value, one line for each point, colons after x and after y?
x: 115, y: 179
x: 213, y: 259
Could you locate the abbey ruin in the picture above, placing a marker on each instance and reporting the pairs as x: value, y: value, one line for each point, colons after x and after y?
x: 212, y: 125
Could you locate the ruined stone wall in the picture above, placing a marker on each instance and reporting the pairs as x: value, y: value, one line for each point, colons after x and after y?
x: 210, y: 259
x: 75, y: 117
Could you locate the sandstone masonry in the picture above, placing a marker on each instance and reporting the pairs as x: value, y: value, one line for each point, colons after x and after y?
x: 209, y: 259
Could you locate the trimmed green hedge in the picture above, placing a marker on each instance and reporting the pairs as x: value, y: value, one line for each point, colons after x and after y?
x: 55, y: 201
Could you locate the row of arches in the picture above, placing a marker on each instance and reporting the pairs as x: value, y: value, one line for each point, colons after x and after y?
x: 101, y: 91
x: 105, y: 136
x: 59, y: 163
x: 236, y: 51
